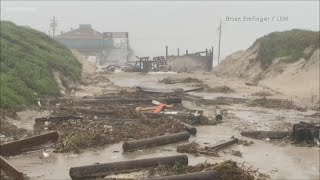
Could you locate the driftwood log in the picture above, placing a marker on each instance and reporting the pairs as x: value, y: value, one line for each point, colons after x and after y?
x: 155, y: 141
x: 266, y: 134
x: 101, y: 170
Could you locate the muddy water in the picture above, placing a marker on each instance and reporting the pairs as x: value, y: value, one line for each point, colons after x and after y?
x: 279, y: 159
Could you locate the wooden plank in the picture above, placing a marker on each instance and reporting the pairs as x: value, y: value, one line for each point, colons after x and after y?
x: 27, y: 144
x: 10, y: 170
x: 222, y: 145
x: 194, y: 89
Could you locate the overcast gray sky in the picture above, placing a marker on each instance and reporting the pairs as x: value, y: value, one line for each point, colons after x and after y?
x: 152, y: 25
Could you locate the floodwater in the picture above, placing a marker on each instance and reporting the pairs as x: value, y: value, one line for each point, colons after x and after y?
x: 277, y: 158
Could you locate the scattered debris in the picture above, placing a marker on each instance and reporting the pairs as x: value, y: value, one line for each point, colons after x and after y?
x: 160, y: 107
x: 194, y: 89
x: 148, y: 109
x: 10, y: 170
x: 314, y: 115
x: 195, y: 149
x: 95, y: 133
x: 214, y: 102
x: 27, y: 144
x: 236, y: 153
x: 262, y: 94
x: 170, y: 100
x: 192, y: 130
x: 245, y: 142
x: 251, y: 84
x: 206, y: 175
x: 160, y: 92
x: 273, y: 103
x: 266, y: 134
x: 191, y: 148
x: 102, y: 170
x: 56, y: 119
x: 263, y: 176
x: 158, y: 63
x: 155, y: 141
x: 306, y: 132
x: 218, y: 89
x: 109, y: 118
x: 186, y: 117
x: 173, y: 80
x: 227, y: 170
x: 9, y: 131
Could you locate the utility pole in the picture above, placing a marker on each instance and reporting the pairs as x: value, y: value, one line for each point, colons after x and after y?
x: 219, y: 41
x: 53, y: 25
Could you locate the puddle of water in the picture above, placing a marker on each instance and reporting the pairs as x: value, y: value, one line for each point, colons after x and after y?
x: 147, y: 82
x: 216, y: 95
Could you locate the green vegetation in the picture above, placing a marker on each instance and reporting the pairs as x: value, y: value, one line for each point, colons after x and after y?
x: 289, y: 45
x: 27, y: 60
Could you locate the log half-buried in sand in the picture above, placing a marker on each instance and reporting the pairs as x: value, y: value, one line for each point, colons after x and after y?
x: 155, y: 141
x: 206, y: 175
x: 266, y: 134
x: 101, y: 170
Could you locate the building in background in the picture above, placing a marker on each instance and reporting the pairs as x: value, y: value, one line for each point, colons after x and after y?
x: 85, y: 39
x: 107, y: 46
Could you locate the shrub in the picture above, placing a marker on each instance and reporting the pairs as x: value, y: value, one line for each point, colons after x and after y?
x: 290, y: 44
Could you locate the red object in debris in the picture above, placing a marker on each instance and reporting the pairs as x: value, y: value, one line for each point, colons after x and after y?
x: 160, y: 108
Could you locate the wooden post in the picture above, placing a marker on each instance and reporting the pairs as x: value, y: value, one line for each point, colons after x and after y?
x: 186, y: 52
x: 211, y: 58
x: 218, y: 114
x: 178, y: 52
x: 219, y: 42
x: 166, y: 52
